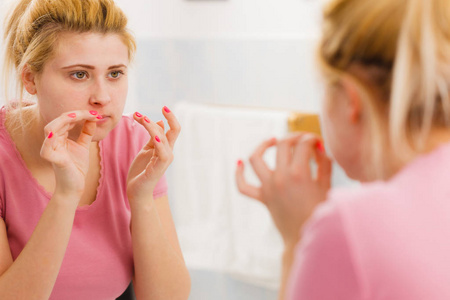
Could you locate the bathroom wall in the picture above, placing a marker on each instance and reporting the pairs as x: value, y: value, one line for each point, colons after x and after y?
x: 233, y: 52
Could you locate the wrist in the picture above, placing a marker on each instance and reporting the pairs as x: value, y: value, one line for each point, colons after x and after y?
x: 290, y: 245
x: 141, y: 203
x: 68, y: 193
x: 66, y: 200
x: 288, y: 256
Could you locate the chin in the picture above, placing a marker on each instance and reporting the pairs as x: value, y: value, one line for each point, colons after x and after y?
x: 352, y: 169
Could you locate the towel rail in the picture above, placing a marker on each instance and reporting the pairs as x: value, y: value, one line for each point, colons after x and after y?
x: 298, y: 121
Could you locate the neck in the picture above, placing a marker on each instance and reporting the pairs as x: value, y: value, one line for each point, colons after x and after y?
x: 29, y: 135
x: 27, y: 131
x: 436, y: 138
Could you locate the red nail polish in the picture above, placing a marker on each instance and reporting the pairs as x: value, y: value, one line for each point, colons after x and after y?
x: 146, y: 119
x: 50, y: 135
x: 166, y: 109
x: 72, y: 115
x: 157, y: 139
x: 138, y: 115
x: 239, y: 163
x: 320, y: 146
x: 99, y: 117
x: 93, y: 112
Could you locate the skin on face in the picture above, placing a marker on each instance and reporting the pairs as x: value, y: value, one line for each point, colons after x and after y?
x: 88, y: 71
x: 343, y: 129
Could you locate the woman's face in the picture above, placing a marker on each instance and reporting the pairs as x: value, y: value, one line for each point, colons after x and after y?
x: 88, y: 71
x: 343, y: 132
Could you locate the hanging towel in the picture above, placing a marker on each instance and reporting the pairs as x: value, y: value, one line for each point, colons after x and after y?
x: 220, y: 229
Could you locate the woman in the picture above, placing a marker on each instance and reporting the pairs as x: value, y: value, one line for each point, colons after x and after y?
x: 386, y: 119
x: 83, y: 197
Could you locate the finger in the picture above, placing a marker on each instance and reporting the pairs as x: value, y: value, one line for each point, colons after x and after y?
x: 47, y: 145
x: 304, y: 151
x: 284, y: 149
x: 157, y: 141
x: 161, y: 124
x: 242, y: 185
x: 256, y: 160
x: 174, y: 126
x: 138, y: 117
x: 50, y: 144
x: 324, y: 165
x: 87, y: 133
x: 62, y: 123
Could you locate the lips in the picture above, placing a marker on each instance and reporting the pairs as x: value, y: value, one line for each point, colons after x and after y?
x: 103, y: 118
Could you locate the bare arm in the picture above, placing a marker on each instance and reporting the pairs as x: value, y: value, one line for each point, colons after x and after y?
x: 287, y: 262
x: 160, y: 271
x: 33, y: 274
x: 290, y: 191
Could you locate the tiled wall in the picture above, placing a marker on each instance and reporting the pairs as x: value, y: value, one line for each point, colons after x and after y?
x: 273, y: 73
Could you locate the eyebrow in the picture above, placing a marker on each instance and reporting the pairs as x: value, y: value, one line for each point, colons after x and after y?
x: 93, y: 68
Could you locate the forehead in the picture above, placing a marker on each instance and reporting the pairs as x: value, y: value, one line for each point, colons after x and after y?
x: 96, y: 49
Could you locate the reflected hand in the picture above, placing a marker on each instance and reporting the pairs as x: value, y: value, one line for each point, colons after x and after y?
x: 155, y: 157
x: 290, y: 191
x: 70, y: 159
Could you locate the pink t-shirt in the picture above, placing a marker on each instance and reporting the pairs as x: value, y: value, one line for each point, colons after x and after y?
x: 384, y: 240
x: 98, y: 263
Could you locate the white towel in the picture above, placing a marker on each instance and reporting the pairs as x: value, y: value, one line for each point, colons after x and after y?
x: 220, y: 229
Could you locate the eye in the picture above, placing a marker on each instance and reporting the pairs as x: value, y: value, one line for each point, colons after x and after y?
x: 79, y: 74
x: 115, y: 74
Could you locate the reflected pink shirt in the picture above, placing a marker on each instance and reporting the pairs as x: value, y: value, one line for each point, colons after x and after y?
x: 385, y: 240
x: 98, y: 263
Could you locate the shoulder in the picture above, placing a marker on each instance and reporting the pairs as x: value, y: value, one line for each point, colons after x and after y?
x: 324, y: 258
x: 8, y: 152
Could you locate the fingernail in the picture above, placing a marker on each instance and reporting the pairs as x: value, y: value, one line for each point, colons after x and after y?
x: 93, y: 112
x: 50, y: 135
x: 138, y: 115
x: 157, y: 139
x: 239, y: 163
x: 146, y: 119
x: 99, y: 117
x: 72, y: 115
x: 166, y: 109
x: 320, y: 146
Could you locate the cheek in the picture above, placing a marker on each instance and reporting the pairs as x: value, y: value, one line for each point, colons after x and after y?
x: 122, y: 91
x: 333, y: 126
x: 55, y: 99
x: 327, y: 119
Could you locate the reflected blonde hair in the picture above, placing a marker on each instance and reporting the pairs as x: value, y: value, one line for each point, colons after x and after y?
x: 33, y: 27
x: 403, y: 46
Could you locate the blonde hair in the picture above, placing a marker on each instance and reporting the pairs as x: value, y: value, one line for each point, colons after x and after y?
x: 404, y: 48
x: 33, y: 27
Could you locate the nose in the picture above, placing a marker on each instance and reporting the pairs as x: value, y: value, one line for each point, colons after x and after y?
x: 100, y: 95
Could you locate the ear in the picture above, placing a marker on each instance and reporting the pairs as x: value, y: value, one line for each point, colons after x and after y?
x: 29, y: 80
x: 353, y: 96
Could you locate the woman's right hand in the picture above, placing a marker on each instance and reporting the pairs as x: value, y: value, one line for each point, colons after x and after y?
x: 290, y: 191
x: 70, y: 159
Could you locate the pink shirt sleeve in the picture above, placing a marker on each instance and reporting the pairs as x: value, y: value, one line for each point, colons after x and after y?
x: 323, y: 267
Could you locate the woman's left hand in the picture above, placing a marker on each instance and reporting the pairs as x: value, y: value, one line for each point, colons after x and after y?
x: 152, y: 161
x: 291, y: 191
